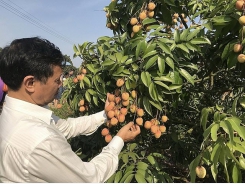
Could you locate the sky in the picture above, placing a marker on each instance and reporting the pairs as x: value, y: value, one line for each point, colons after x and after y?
x: 62, y: 22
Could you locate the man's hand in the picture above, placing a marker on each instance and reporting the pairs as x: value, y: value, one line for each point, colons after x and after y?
x: 107, y: 101
x: 128, y: 132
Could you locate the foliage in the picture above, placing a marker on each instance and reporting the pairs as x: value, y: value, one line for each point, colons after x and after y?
x: 185, y: 69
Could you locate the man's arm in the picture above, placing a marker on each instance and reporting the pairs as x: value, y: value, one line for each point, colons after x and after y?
x: 54, y: 161
x: 84, y: 125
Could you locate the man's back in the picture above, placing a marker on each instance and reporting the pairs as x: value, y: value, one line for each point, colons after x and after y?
x: 20, y: 133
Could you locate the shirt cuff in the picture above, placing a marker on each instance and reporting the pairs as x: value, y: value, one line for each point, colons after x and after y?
x: 100, y: 117
x: 116, y: 143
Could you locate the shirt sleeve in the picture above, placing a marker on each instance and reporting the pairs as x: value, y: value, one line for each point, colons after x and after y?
x: 85, y: 125
x: 54, y: 161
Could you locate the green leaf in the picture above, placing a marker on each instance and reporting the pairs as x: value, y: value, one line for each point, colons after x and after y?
x: 142, y: 172
x: 151, y: 159
x: 125, y: 158
x: 192, y: 168
x: 111, y: 179
x: 130, y: 168
x: 214, y: 130
x: 87, y: 81
x: 119, y: 70
x: 132, y: 146
x: 133, y: 156
x: 222, y: 159
x: 108, y: 63
x: 193, y: 34
x: 183, y: 35
x: 189, y: 65
x: 242, y: 102
x: 183, y: 47
x: 156, y: 104
x: 226, y: 51
x: 161, y: 84
x: 87, y: 96
x: 140, y: 178
x: 119, y: 56
x: 148, y: 21
x: 118, y: 176
x: 228, y: 129
x: 129, y: 61
x: 112, y: 57
x: 151, y: 62
x: 198, y: 41
x: 76, y: 50
x: 150, y: 47
x: 177, y: 36
x: 90, y: 67
x: 242, y: 162
x: 164, y: 78
x: 129, y: 178
x: 153, y: 91
x: 232, y: 60
x: 204, y: 117
x: 125, y: 176
x: 92, y: 92
x: 235, y: 174
x: 124, y: 58
x: 207, y: 132
x: 214, y: 157
x: 164, y: 47
x: 170, y: 62
x: 234, y: 104
x: 161, y: 64
x: 142, y: 165
x: 82, y: 85
x: 175, y: 86
x: 154, y: 52
x: 186, y: 75
x: 112, y: 5
x: 235, y: 123
x: 95, y: 100
x: 191, y: 46
x: 147, y: 105
x: 222, y: 19
x: 146, y: 78
x: 140, y: 48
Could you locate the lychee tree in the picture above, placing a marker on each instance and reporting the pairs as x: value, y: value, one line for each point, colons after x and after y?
x: 176, y: 69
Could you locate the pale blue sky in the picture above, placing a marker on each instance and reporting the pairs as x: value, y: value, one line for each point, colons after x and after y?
x: 75, y: 21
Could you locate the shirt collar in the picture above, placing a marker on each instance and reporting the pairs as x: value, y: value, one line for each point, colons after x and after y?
x: 30, y: 109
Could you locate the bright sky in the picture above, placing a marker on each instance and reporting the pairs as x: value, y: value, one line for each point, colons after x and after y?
x: 63, y: 22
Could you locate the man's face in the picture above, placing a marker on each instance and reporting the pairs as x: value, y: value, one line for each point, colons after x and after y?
x: 70, y: 73
x: 46, y: 92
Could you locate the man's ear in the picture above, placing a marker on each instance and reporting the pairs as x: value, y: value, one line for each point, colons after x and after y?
x: 29, y: 83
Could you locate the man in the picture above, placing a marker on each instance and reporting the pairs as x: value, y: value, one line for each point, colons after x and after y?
x: 60, y: 91
x: 2, y: 94
x: 33, y: 145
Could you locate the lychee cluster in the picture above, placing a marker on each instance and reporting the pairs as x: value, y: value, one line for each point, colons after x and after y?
x: 177, y: 21
x: 156, y: 127
x: 122, y: 103
x: 105, y: 132
x: 82, y: 106
x: 117, y: 108
x: 240, y: 5
x: 80, y: 75
x: 136, y: 22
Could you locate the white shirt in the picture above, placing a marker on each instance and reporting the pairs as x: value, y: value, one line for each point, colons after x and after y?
x: 34, y: 147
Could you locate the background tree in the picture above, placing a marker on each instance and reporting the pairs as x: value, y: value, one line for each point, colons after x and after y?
x: 182, y: 59
x: 68, y: 59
